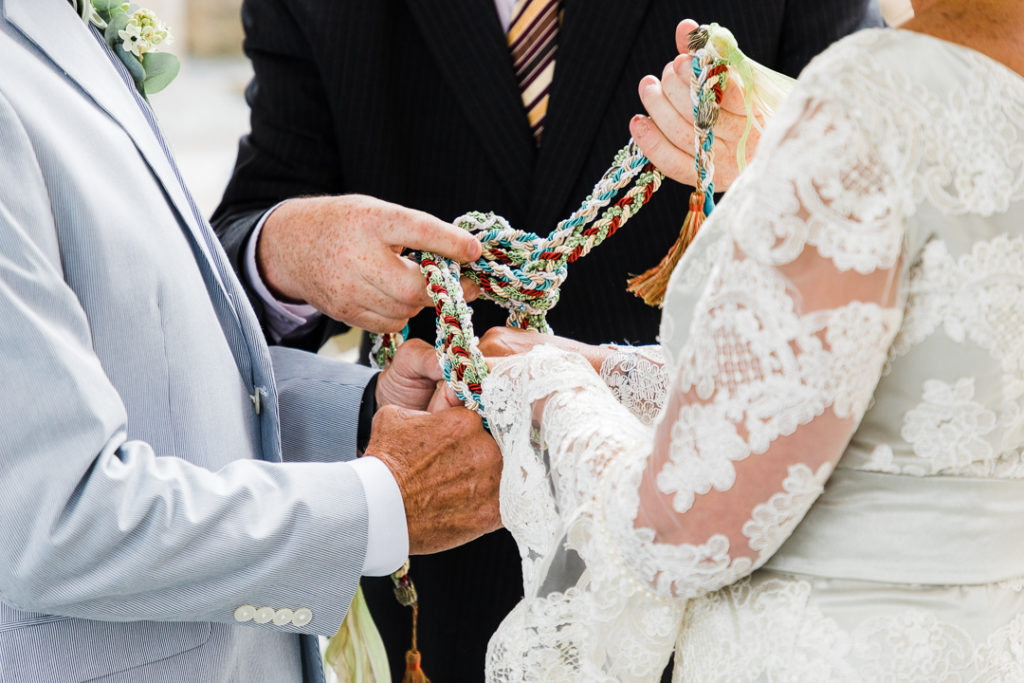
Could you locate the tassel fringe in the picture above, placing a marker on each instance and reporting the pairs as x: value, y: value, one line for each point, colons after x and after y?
x: 413, y: 672
x: 652, y: 285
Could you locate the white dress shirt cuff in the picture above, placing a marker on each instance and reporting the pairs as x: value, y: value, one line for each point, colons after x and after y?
x: 387, y: 535
x: 283, y: 318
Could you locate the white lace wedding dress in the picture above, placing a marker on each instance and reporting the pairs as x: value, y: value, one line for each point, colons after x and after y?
x: 820, y: 478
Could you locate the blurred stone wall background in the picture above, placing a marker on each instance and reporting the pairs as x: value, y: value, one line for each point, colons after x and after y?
x: 214, y: 27
x: 207, y: 28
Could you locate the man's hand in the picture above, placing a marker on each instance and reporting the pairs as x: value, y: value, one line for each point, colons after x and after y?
x: 414, y: 380
x: 448, y: 469
x: 667, y: 137
x: 411, y: 379
x: 343, y: 255
x: 498, y: 342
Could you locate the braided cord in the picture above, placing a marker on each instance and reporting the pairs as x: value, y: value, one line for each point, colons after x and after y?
x: 523, y: 272
x: 520, y: 271
x: 710, y: 75
x: 462, y: 363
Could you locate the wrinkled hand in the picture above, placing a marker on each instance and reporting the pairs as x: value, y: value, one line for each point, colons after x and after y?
x: 444, y: 397
x: 412, y: 378
x: 667, y: 136
x: 498, y: 342
x: 343, y: 255
x: 448, y: 469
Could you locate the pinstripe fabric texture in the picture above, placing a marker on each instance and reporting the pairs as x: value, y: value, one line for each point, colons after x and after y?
x: 143, y: 497
x: 417, y: 103
x: 533, y: 42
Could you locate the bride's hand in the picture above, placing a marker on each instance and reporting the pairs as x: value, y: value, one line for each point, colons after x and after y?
x: 666, y: 136
x: 499, y: 342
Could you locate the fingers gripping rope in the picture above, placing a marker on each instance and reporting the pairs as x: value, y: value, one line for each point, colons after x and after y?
x: 707, y: 86
x: 520, y: 271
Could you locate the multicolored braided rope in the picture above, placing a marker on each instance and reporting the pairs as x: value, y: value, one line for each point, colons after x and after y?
x: 707, y: 87
x: 520, y: 271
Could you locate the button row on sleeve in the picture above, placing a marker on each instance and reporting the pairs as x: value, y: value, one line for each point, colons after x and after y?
x: 281, y: 617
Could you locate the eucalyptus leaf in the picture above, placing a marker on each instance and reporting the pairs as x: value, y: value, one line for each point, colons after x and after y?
x: 115, y: 24
x: 106, y: 5
x: 108, y: 9
x: 161, y: 68
x: 134, y: 66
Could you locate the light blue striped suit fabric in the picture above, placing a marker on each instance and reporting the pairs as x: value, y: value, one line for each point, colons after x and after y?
x: 142, y: 497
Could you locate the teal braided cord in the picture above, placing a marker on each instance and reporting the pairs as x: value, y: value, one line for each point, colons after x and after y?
x: 521, y: 271
x: 462, y: 364
x: 710, y: 76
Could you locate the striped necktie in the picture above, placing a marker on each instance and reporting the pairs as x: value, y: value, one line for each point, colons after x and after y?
x: 532, y: 39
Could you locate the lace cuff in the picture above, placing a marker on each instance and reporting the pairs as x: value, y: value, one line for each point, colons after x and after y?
x: 638, y: 377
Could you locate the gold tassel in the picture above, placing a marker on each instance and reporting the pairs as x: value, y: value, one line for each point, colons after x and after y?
x: 652, y: 284
x: 413, y: 671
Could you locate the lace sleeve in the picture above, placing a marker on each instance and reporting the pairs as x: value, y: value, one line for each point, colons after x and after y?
x: 638, y: 377
x: 775, y: 356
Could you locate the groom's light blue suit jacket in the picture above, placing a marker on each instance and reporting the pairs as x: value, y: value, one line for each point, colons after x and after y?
x: 143, y: 497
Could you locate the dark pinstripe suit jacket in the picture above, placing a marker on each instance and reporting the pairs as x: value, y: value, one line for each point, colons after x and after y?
x: 415, y: 102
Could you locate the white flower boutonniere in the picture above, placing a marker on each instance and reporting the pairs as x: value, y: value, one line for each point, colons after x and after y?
x: 143, y: 33
x: 137, y: 37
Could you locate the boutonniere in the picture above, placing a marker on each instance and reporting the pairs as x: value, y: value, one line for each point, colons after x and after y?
x: 137, y: 37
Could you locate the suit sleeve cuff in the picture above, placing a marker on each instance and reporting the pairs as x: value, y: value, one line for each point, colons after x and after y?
x: 283, y: 319
x: 387, y: 544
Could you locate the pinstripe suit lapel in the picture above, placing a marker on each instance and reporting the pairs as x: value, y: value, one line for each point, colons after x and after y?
x: 477, y: 66
x: 594, y: 41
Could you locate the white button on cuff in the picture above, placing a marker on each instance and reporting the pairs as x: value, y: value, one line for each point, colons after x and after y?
x: 245, y: 613
x: 283, y: 617
x: 302, y: 616
x: 263, y: 615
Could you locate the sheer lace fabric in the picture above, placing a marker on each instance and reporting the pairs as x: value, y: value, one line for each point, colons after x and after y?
x: 638, y: 378
x: 857, y: 301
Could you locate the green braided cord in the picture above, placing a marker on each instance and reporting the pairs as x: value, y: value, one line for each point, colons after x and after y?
x: 384, y: 347
x: 710, y: 75
x: 462, y: 363
x: 520, y: 271
x: 523, y: 272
